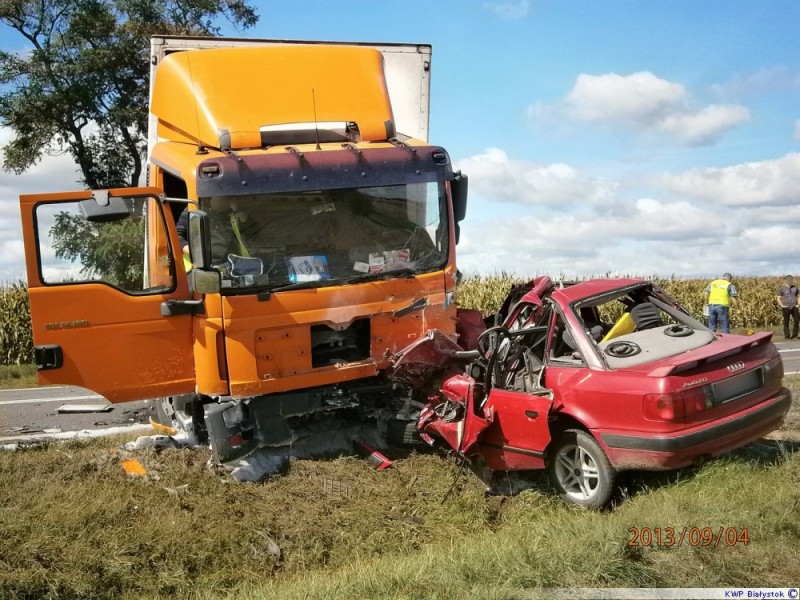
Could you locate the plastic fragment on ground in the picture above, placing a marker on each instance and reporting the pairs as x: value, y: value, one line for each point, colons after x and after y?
x: 373, y: 457
x: 133, y: 467
x: 151, y: 442
x: 257, y: 465
x: 163, y: 429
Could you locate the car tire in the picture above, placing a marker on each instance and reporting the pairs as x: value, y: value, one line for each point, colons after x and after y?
x: 579, y: 470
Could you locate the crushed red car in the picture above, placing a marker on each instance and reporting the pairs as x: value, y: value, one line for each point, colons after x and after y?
x: 594, y: 378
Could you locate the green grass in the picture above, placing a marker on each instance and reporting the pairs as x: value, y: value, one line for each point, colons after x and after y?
x: 17, y: 376
x: 73, y: 525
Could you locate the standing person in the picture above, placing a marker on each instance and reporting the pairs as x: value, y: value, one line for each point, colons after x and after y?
x: 720, y: 295
x: 787, y: 300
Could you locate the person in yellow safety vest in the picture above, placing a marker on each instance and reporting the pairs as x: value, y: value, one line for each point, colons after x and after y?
x: 719, y: 296
x: 228, y: 229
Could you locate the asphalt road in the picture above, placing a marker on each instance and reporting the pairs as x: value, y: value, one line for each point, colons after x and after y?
x: 29, y: 414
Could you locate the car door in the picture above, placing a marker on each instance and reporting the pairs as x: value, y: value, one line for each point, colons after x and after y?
x: 520, y: 432
x: 101, y: 266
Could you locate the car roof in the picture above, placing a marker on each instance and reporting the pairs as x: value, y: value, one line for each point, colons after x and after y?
x: 595, y: 287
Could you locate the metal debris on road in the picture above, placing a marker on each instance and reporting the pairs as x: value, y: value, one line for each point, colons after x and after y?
x: 83, y: 408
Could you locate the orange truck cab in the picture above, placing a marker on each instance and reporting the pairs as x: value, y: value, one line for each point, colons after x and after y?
x: 297, y: 233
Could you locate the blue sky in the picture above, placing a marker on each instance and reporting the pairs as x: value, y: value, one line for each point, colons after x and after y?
x: 600, y: 137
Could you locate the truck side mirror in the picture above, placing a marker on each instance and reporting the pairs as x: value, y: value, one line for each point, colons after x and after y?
x: 204, y: 282
x: 199, y: 240
x: 458, y: 189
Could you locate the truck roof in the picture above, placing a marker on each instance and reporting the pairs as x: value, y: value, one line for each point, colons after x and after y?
x: 406, y: 68
x: 225, y: 98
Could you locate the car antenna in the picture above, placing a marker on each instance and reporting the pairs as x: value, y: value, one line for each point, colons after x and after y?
x: 316, y: 126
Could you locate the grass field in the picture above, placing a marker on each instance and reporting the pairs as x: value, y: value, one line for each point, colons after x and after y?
x: 17, y: 376
x: 74, y: 525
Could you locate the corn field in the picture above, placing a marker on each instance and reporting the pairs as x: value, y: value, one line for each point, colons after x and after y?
x: 16, y: 338
x: 756, y: 310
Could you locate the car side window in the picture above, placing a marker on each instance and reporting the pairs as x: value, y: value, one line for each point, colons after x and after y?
x: 563, y: 346
x: 523, y: 318
x: 130, y: 253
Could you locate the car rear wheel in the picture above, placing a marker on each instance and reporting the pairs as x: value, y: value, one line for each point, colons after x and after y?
x: 580, y: 471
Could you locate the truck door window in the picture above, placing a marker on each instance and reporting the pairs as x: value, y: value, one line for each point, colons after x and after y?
x: 131, y: 254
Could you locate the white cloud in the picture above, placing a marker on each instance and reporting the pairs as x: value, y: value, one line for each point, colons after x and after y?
x: 765, y: 80
x: 509, y: 10
x: 52, y: 174
x: 696, y: 223
x: 706, y: 125
x: 612, y: 98
x: 493, y: 174
x: 762, y: 183
x: 642, y: 101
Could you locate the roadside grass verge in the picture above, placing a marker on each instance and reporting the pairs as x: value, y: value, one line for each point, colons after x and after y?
x: 74, y: 525
x: 17, y: 376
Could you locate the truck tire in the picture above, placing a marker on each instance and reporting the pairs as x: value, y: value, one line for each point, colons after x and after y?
x: 404, y: 434
x: 580, y: 471
x: 164, y: 410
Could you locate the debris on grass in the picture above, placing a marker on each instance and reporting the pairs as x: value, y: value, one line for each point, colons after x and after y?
x: 162, y: 429
x: 372, y: 456
x: 133, y: 467
x: 152, y: 442
x: 177, y: 491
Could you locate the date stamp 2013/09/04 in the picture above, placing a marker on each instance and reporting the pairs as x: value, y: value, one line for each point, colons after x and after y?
x: 693, y: 536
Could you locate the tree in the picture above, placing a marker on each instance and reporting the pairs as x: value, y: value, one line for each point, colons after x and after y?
x: 82, y: 85
x: 112, y: 252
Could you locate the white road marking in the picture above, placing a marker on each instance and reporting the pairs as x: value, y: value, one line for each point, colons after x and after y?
x: 42, y: 400
x: 33, y: 389
x: 11, y: 442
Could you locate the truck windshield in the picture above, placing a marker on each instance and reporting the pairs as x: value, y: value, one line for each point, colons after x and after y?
x: 328, y: 237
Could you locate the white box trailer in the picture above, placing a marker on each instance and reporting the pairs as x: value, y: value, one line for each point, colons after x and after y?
x: 407, y: 68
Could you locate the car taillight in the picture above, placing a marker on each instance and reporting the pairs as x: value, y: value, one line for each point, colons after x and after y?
x: 663, y: 407
x: 773, y: 372
x: 697, y: 400
x: 676, y: 405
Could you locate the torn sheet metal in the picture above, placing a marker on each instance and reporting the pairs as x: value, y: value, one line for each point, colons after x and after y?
x: 431, y: 354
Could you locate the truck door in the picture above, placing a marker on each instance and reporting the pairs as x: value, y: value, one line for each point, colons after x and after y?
x: 100, y: 265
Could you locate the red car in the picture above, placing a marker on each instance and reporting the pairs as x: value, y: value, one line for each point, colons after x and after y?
x: 591, y: 379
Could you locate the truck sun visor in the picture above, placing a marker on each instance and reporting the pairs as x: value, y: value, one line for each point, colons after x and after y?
x: 288, y: 172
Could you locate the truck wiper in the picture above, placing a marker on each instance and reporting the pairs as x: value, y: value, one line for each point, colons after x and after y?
x: 404, y: 273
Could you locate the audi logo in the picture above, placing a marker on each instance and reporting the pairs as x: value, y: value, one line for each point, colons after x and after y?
x: 734, y: 367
